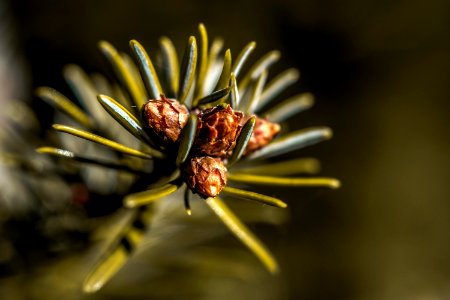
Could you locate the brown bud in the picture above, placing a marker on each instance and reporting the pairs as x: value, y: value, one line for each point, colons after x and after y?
x: 206, y: 175
x: 263, y: 133
x: 167, y: 117
x: 217, y: 130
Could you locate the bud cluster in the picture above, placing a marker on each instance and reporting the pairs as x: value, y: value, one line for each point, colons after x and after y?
x: 217, y: 131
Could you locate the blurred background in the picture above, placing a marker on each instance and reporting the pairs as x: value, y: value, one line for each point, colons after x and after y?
x: 380, y: 72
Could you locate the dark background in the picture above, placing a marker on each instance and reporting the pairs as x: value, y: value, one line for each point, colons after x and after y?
x: 380, y: 71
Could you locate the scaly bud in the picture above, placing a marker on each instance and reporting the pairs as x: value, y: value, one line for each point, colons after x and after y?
x: 263, y: 133
x: 206, y: 175
x: 217, y: 130
x: 166, y: 117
